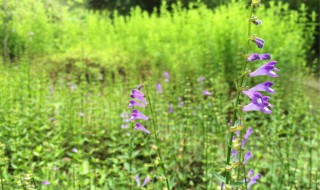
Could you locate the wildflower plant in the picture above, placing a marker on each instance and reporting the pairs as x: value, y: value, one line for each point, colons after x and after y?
x: 258, y: 102
x: 140, y: 101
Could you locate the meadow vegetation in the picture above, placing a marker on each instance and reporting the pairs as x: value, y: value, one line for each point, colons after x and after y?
x: 67, y: 76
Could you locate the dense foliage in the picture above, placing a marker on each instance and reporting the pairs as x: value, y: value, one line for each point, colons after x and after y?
x: 69, y: 72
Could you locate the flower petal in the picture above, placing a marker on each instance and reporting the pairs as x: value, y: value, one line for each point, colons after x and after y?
x: 141, y: 128
x: 250, y: 107
x: 147, y: 180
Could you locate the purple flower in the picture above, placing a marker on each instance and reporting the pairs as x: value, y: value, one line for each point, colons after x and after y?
x: 146, y: 180
x: 234, y: 152
x: 137, y: 115
x: 248, y: 133
x: 266, y: 69
x: 45, y: 183
x: 140, y: 86
x: 166, y: 76
x: 159, y: 88
x: 258, y: 102
x: 265, y: 56
x: 266, y: 86
x: 138, y: 95
x: 253, y: 57
x: 247, y: 156
x: 135, y: 103
x: 141, y: 128
x: 259, y: 42
x: 254, y: 179
x: 257, y: 21
x: 246, y: 137
x: 206, y: 93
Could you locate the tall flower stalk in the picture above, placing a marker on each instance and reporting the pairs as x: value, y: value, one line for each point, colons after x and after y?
x: 139, y: 100
x: 259, y: 102
x: 155, y: 128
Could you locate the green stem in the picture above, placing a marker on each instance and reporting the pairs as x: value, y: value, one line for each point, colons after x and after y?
x: 237, y: 100
x: 154, y: 124
x: 130, y: 163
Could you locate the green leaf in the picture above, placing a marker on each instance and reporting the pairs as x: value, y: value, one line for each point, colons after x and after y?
x: 219, y: 177
x: 236, y: 183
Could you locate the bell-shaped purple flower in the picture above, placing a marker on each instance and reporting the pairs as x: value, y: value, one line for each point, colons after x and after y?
x: 135, y: 104
x: 206, y: 93
x: 141, y: 128
x: 146, y: 180
x: 253, y: 57
x: 266, y: 69
x: 252, y: 180
x: 256, y: 57
x: 265, y: 56
x: 247, y: 156
x: 259, y: 42
x: 266, y: 86
x: 258, y: 102
x: 138, y: 95
x: 137, y: 115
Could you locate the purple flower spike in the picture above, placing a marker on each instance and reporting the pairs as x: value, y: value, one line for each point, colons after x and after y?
x: 134, y: 103
x: 253, y: 57
x: 147, y: 180
x: 138, y: 95
x: 266, y: 69
x: 259, y: 42
x: 206, y: 93
x: 247, y: 156
x: 166, y: 76
x: 265, y: 56
x: 266, y: 86
x: 45, y: 183
x: 141, y: 128
x: 159, y: 88
x: 137, y: 115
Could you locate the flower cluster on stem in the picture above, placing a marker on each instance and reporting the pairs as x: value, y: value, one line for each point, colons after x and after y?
x: 258, y: 102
